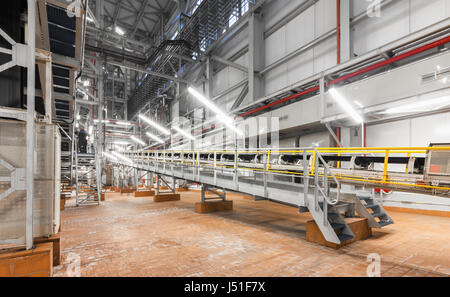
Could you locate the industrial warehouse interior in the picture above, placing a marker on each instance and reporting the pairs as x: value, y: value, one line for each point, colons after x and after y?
x: 226, y: 139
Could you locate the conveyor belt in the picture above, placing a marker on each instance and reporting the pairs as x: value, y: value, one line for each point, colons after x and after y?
x: 310, y: 178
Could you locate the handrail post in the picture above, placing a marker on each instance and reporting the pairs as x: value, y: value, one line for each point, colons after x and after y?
x: 316, y: 179
x: 164, y: 161
x: 182, y: 164
x: 325, y: 201
x: 235, y: 177
x: 266, y: 168
x: 215, y: 167
x: 386, y: 161
x: 198, y: 165
x: 305, y: 177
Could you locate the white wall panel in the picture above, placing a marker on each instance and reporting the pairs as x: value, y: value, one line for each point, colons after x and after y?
x: 300, y: 31
x: 325, y: 17
x: 220, y: 81
x: 297, y: 114
x: 425, y: 13
x: 430, y: 129
x: 275, y: 46
x: 276, y: 79
x: 374, y: 32
x: 394, y: 134
x: 321, y: 139
x: 357, y: 7
x: 300, y: 67
x: 325, y: 55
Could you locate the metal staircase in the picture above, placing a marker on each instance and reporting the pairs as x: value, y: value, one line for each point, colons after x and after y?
x: 330, y: 221
x: 367, y: 207
x: 87, y: 188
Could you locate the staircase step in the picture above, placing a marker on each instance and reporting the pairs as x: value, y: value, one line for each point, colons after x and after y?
x: 333, y: 215
x: 385, y: 223
x: 378, y: 214
x: 344, y: 237
x: 337, y: 226
x: 374, y: 205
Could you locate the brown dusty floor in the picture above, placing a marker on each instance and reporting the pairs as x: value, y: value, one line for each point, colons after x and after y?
x: 128, y: 236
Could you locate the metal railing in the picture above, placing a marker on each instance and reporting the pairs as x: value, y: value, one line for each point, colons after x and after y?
x: 404, y: 179
x: 192, y: 164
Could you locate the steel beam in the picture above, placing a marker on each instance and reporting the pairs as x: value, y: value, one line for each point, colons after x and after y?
x: 149, y: 72
x: 139, y: 17
x: 256, y: 56
x: 230, y: 63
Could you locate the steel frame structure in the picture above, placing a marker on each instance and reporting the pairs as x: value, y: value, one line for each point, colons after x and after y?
x: 25, y: 56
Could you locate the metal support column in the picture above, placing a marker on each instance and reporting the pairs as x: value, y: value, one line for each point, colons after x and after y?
x: 30, y: 129
x: 256, y: 56
x: 345, y: 36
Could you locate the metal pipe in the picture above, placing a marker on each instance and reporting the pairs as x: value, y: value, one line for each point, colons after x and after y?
x: 357, y: 73
x: 428, y: 31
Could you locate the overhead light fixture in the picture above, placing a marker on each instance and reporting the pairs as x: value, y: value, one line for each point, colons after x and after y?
x: 346, y: 106
x: 78, y: 117
x: 86, y: 83
x: 154, y: 137
x: 358, y: 104
x: 154, y: 124
x: 122, y: 157
x: 208, y: 103
x: 184, y: 133
x: 221, y: 116
x: 119, y: 30
x: 229, y: 124
x: 137, y: 140
x: 110, y: 156
x: 420, y: 106
x: 121, y: 142
x: 123, y: 123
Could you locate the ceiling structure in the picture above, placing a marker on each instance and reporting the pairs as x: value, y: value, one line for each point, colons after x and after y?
x: 127, y: 25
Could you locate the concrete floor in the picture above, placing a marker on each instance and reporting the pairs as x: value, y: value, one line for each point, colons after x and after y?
x: 128, y: 236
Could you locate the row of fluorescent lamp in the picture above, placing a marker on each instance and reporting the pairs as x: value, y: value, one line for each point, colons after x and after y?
x: 220, y: 115
x: 418, y: 106
x: 113, y: 122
